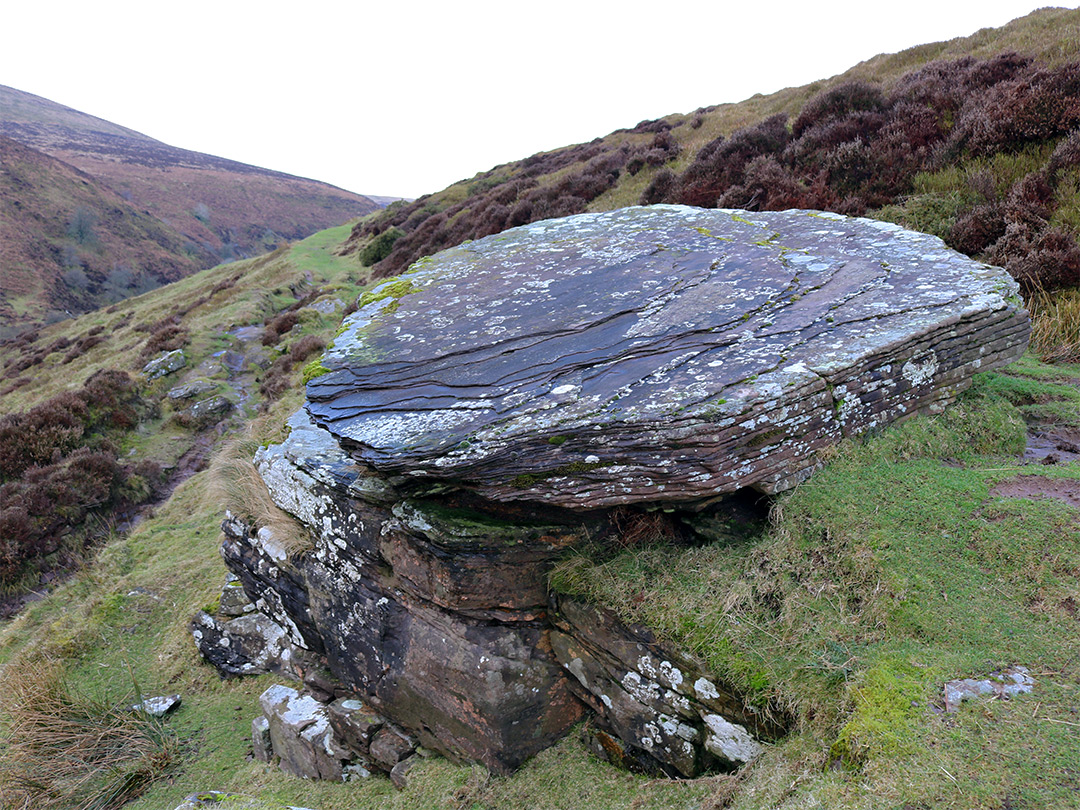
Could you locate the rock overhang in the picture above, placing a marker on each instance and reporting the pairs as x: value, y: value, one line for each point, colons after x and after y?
x: 659, y: 354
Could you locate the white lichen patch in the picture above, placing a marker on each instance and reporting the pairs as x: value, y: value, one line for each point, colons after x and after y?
x: 730, y: 741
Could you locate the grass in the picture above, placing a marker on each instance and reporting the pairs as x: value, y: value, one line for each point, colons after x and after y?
x: 236, y: 484
x: 891, y: 571
x: 1056, y: 325
x: 67, y: 749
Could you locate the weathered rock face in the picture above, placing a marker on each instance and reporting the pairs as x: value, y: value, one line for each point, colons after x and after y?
x: 510, y: 399
x: 433, y: 613
x: 660, y: 354
x: 668, y: 712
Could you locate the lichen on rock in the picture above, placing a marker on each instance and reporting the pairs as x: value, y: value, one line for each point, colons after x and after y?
x: 667, y: 353
x: 508, y: 399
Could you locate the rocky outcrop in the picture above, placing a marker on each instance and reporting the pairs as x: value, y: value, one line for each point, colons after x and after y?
x: 662, y: 354
x: 542, y: 389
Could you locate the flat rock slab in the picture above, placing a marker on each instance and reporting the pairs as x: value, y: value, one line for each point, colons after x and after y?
x: 668, y: 353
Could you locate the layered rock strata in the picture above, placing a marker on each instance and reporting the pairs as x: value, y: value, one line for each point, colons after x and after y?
x: 661, y: 354
x: 519, y: 396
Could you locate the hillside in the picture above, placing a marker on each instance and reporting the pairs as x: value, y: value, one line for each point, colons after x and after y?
x: 212, y: 209
x: 974, y: 140
x: 69, y: 244
x: 942, y: 548
x: 930, y: 568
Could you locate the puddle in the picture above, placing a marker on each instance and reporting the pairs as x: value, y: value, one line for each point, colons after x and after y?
x: 1053, y: 446
x: 1038, y: 487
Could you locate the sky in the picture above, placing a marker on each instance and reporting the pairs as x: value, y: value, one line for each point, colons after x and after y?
x: 403, y: 99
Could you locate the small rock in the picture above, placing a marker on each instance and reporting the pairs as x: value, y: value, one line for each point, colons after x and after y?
x: 1004, y: 684
x: 210, y: 407
x: 355, y: 772
x: 321, y: 683
x: 231, y: 801
x: 399, y: 774
x: 252, y: 644
x: 326, y: 306
x: 234, y: 601
x: 261, y: 745
x: 301, y: 734
x: 389, y: 747
x: 167, y: 363
x: 355, y: 724
x: 158, y: 706
x: 191, y: 389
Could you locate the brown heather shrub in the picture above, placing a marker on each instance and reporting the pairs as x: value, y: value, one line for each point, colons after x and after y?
x: 767, y: 186
x: 838, y: 102
x: 1065, y: 156
x: 1035, y: 105
x: 305, y: 347
x: 279, y: 377
x: 35, y: 437
x: 166, y: 336
x: 83, y: 345
x: 660, y: 188
x: 810, y: 148
x: 721, y: 164
x: 978, y: 228
x: 58, y: 465
x: 1042, y: 261
x: 278, y: 325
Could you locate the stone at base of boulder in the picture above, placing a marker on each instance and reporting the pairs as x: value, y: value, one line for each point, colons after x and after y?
x: 658, y: 711
x: 301, y: 735
x: 389, y: 747
x: 611, y: 749
x: 399, y: 774
x: 261, y: 745
x: 234, y: 601
x: 342, y: 741
x: 354, y: 723
x: 252, y: 644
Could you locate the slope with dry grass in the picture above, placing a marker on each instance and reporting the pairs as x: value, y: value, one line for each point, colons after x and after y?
x: 976, y: 140
x: 109, y: 212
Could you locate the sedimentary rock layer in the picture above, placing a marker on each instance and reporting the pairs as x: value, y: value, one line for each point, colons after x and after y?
x: 661, y: 354
x: 543, y: 388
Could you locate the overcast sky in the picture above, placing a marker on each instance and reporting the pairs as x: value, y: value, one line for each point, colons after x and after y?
x: 404, y: 98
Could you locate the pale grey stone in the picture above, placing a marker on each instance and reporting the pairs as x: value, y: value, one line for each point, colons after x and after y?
x: 191, y: 389
x: 158, y: 706
x: 1005, y: 684
x: 167, y: 363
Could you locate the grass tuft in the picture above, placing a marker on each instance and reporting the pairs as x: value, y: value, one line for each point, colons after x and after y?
x: 236, y: 483
x: 1055, y: 326
x: 66, y: 749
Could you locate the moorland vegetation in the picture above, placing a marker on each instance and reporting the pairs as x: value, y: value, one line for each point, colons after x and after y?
x: 902, y: 564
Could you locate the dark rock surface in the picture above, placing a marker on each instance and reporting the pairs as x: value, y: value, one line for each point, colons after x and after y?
x: 545, y: 388
x: 665, y: 707
x: 479, y: 684
x: 664, y: 353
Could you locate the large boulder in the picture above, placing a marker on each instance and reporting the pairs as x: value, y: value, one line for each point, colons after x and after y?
x: 534, y: 391
x: 662, y: 354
